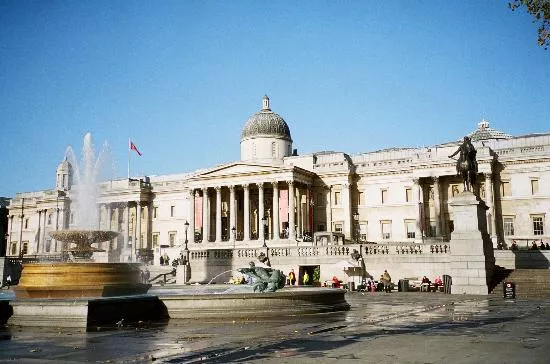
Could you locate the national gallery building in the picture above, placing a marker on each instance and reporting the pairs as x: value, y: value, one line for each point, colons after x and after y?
x: 388, y: 209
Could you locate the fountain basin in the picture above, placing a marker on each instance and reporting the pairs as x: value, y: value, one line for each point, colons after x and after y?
x: 187, y: 304
x: 75, y: 280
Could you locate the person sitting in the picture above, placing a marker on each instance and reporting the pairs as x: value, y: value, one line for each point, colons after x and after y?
x: 335, y: 282
x: 438, y: 282
x: 425, y: 284
x: 386, y: 281
x: 514, y: 246
x: 534, y: 246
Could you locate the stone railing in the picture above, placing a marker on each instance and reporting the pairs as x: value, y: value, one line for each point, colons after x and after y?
x: 344, y: 251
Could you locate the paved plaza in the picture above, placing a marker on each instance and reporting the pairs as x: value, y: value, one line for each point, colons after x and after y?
x: 397, y: 327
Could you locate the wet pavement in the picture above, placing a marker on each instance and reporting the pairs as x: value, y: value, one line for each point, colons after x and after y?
x: 408, y: 327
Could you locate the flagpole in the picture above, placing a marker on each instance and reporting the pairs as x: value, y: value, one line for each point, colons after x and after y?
x: 129, y: 151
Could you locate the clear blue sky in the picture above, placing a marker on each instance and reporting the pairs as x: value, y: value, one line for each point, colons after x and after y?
x: 182, y: 77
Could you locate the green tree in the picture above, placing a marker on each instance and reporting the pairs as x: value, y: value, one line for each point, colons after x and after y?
x: 540, y: 10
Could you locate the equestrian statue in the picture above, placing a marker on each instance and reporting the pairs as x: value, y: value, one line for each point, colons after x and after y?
x: 466, y: 165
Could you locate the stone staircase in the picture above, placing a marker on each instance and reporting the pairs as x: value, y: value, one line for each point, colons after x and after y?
x: 530, y: 283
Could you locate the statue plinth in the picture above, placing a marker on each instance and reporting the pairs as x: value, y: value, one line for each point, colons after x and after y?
x: 472, y: 256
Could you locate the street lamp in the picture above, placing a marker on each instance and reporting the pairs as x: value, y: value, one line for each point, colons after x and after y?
x: 186, y: 228
x: 356, y: 219
x: 264, y: 222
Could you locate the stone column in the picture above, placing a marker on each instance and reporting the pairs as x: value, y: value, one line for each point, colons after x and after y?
x: 261, y: 212
x: 346, y: 204
x: 232, y: 214
x: 490, y: 204
x: 109, y: 225
x: 205, y: 216
x: 437, y: 206
x: 291, y: 221
x: 191, y: 218
x: 276, y: 226
x: 299, y: 212
x: 218, y: 214
x: 246, y: 212
x: 138, y: 227
x: 416, y: 201
x: 38, y: 245
x: 127, y: 228
x: 309, y: 208
x: 329, y: 208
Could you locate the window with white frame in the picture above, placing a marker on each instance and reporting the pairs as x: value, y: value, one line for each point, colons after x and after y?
x: 386, y: 229
x: 363, y: 229
x: 155, y: 211
x: 410, y: 226
x: 25, y: 249
x: 538, y: 224
x: 172, y: 210
x: 508, y: 225
x: 454, y: 190
x: 505, y: 189
x: 48, y: 245
x: 155, y: 240
x: 338, y: 227
x: 14, y: 248
x: 172, y: 238
x: 384, y: 195
x: 273, y: 149
x: 408, y: 194
x: 360, y: 198
x: 337, y: 198
x: 534, y: 186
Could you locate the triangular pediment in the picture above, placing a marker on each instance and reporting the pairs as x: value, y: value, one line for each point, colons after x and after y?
x: 240, y: 169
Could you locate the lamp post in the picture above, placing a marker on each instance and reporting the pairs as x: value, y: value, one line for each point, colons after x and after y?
x: 356, y: 220
x: 234, y: 232
x: 264, y: 222
x: 186, y: 228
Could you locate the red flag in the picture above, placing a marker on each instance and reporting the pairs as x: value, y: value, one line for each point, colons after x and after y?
x: 133, y: 147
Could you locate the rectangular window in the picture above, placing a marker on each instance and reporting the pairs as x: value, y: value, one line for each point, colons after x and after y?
x: 155, y: 211
x: 384, y: 196
x: 172, y: 210
x: 410, y: 225
x: 508, y: 225
x: 49, y: 219
x: 336, y: 198
x: 26, y: 223
x: 363, y: 229
x: 172, y: 238
x: 505, y: 189
x: 48, y: 245
x: 482, y: 190
x: 534, y: 186
x: 408, y: 194
x: 25, y: 249
x: 14, y: 249
x: 155, y: 240
x: 360, y: 200
x: 538, y: 225
x: 338, y: 228
x: 386, y: 230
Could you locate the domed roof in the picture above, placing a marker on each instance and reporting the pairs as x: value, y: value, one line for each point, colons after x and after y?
x: 64, y: 165
x: 483, y: 132
x: 266, y: 123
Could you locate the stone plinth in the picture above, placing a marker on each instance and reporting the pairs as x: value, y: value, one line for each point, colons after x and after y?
x: 472, y: 258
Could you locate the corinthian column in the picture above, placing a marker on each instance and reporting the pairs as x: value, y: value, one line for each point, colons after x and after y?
x: 246, y: 212
x: 347, y: 210
x: 291, y: 223
x: 191, y: 221
x: 205, y: 216
x: 232, y: 214
x: 261, y: 212
x: 218, y: 214
x: 275, y: 210
x: 416, y: 202
x: 437, y: 206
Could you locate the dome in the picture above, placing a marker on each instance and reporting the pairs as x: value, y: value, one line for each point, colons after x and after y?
x: 266, y: 123
x: 483, y: 132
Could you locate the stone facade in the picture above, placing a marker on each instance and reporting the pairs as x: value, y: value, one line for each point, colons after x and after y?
x: 395, y: 200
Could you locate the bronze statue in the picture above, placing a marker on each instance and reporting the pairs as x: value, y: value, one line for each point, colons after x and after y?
x: 264, y: 279
x: 466, y: 165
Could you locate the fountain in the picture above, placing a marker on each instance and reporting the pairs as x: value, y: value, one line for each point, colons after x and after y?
x: 80, y: 291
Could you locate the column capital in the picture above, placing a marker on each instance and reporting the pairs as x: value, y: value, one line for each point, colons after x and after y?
x: 290, y: 183
x: 275, y: 184
x: 488, y: 175
x: 260, y: 185
x: 204, y: 189
x: 231, y: 188
x: 218, y: 189
x: 191, y: 191
x: 435, y: 179
x: 246, y: 186
x: 345, y: 185
x: 416, y: 181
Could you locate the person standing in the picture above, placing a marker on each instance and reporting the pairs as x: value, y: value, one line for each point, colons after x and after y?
x: 305, y: 278
x: 292, y: 277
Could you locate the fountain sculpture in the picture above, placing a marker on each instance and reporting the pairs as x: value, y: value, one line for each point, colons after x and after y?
x: 93, y: 288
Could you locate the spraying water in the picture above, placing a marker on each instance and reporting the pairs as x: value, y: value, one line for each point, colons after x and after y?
x: 86, y: 175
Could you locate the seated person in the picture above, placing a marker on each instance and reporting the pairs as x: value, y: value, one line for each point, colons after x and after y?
x: 425, y: 284
x: 335, y: 282
x: 514, y: 246
x: 438, y: 282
